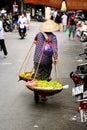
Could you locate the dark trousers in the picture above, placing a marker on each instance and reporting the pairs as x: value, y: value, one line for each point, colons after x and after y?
x: 72, y: 30
x: 42, y: 71
x: 3, y: 47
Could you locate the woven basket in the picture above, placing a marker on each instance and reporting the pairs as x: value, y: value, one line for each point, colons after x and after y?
x: 25, y: 79
x: 44, y: 91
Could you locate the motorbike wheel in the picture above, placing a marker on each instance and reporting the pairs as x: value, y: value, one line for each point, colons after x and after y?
x: 83, y: 38
x: 6, y: 28
x: 22, y: 35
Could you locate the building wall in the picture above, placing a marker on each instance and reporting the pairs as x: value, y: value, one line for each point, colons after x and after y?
x: 47, y: 12
x: 6, y: 4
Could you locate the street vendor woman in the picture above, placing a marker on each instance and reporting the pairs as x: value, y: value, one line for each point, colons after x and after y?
x: 42, y: 62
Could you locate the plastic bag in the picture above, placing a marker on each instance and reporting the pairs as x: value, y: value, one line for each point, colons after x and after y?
x: 67, y: 31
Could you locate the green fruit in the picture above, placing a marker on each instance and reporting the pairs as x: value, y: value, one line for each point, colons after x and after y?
x: 46, y: 84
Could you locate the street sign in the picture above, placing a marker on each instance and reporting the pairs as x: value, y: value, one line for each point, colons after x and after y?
x: 15, y: 8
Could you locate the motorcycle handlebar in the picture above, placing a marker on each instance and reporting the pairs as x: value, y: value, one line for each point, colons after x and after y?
x: 81, y: 54
x: 21, y: 23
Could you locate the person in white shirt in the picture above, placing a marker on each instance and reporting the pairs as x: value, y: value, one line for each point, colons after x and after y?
x: 28, y: 16
x: 64, y: 21
x: 22, y: 20
x: 55, y: 14
x: 2, y: 40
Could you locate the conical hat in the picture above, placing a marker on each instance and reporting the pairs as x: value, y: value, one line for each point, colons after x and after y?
x: 49, y: 26
x: 3, y: 11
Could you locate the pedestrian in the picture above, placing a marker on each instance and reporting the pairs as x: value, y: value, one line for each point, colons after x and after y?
x: 52, y: 14
x: 2, y: 41
x: 43, y: 63
x: 15, y: 21
x: 72, y: 26
x: 10, y: 15
x: 64, y: 21
x: 28, y: 16
x: 22, y: 20
x: 58, y: 20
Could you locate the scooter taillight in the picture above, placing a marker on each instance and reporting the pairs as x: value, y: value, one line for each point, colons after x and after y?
x: 77, y: 80
x: 83, y: 105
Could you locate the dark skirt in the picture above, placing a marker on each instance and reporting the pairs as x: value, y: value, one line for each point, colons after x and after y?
x: 42, y: 71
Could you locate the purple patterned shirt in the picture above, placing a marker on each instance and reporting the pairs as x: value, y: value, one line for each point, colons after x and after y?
x: 43, y: 59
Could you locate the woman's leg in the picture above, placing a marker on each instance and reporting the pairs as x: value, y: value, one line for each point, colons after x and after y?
x: 3, y: 47
x: 74, y: 30
x: 70, y: 30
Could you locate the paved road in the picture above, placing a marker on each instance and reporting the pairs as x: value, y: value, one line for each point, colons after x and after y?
x: 18, y: 110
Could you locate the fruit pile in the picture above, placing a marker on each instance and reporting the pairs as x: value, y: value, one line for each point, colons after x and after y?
x: 43, y: 84
x: 26, y: 76
x: 31, y: 83
x: 48, y: 85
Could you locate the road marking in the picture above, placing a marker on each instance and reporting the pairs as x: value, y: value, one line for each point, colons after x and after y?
x: 36, y: 126
x: 80, y: 60
x: 75, y: 117
x: 5, y: 63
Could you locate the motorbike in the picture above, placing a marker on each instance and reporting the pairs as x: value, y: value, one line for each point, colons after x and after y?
x: 81, y: 31
x: 22, y: 30
x: 39, y: 16
x: 83, y: 36
x: 79, y: 77
x: 6, y: 25
x: 84, y: 53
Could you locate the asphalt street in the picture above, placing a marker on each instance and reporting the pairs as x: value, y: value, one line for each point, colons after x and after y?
x: 18, y: 110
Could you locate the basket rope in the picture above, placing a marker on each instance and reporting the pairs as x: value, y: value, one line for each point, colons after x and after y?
x: 57, y: 71
x: 26, y: 58
x: 38, y: 63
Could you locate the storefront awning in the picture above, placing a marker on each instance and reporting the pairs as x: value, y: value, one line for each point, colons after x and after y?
x: 50, y: 3
x: 76, y: 4
x: 70, y: 4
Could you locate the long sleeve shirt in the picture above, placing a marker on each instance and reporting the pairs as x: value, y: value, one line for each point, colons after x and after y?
x: 1, y: 30
x: 43, y: 59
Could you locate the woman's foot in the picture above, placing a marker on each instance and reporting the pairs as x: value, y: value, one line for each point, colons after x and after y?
x: 36, y: 97
x: 5, y: 56
x: 43, y: 98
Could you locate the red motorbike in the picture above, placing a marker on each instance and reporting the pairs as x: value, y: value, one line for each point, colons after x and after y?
x: 79, y: 78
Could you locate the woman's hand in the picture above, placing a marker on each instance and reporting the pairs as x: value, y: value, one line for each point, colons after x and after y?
x: 55, y: 61
x: 34, y: 42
